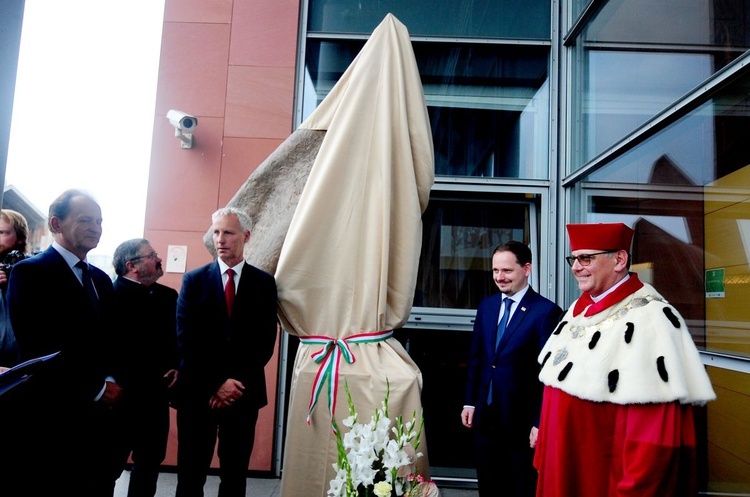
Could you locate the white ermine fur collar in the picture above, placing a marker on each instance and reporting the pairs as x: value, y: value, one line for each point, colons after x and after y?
x: 637, y: 351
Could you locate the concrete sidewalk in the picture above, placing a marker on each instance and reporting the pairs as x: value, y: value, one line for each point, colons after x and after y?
x: 256, y: 487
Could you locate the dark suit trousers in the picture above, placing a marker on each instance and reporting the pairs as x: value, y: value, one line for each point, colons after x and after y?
x: 197, y: 430
x: 504, y: 459
x: 148, y: 431
x: 73, y: 453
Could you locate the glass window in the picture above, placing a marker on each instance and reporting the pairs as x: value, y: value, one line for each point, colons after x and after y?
x: 577, y: 7
x: 463, y: 18
x: 440, y: 354
x: 707, y: 23
x: 625, y: 89
x: 488, y: 105
x: 667, y: 246
x: 635, y: 60
x: 681, y: 155
x: 459, y: 235
x: 702, y: 147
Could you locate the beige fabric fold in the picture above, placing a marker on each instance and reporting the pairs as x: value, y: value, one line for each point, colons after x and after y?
x: 348, y: 264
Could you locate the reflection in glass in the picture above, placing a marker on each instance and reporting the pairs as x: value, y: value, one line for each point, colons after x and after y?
x: 488, y: 105
x: 667, y: 246
x: 625, y: 89
x: 577, y: 7
x: 462, y: 18
x: 699, y: 23
x: 455, y: 267
x: 682, y: 155
x: 635, y: 60
x: 705, y: 145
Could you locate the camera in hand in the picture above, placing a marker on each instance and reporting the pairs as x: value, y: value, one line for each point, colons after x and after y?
x: 10, y: 259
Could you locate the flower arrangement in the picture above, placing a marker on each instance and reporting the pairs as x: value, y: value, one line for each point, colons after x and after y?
x: 373, y: 464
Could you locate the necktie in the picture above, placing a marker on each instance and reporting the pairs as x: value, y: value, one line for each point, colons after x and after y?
x: 500, y: 330
x: 229, y: 290
x: 88, y: 283
x: 503, y: 321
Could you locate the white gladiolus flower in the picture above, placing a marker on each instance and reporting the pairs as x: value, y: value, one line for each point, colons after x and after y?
x: 336, y: 487
x: 349, y: 422
x: 379, y: 457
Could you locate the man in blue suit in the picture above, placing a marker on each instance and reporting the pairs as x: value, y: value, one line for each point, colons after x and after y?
x: 226, y: 333
x: 68, y: 410
x: 503, y: 392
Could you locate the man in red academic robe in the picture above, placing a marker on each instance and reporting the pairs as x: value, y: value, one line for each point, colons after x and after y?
x: 621, y: 376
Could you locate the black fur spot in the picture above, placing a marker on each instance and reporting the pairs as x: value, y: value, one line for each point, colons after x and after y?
x: 672, y: 318
x: 613, y: 378
x: 565, y: 371
x: 662, y: 368
x: 546, y: 357
x: 559, y: 328
x: 594, y: 339
x: 629, y: 332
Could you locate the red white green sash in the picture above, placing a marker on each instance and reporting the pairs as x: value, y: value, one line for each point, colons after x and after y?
x: 329, y: 357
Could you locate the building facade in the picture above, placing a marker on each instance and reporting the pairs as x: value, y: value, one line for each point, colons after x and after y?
x: 543, y: 112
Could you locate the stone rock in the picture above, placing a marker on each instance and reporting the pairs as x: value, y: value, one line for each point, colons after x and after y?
x: 271, y: 194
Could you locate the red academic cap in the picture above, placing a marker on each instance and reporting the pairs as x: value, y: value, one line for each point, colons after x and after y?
x: 600, y: 236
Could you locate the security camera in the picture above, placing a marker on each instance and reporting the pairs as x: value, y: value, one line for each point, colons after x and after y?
x: 182, y: 120
x: 183, y: 124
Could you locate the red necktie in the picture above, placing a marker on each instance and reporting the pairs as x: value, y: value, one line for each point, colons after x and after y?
x: 229, y: 290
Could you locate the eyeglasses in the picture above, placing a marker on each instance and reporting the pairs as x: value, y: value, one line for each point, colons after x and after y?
x: 150, y: 255
x: 585, y: 259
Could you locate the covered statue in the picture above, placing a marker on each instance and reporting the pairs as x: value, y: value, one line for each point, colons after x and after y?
x: 347, y: 268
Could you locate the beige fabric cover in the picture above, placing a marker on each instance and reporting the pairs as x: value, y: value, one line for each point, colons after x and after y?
x: 349, y: 262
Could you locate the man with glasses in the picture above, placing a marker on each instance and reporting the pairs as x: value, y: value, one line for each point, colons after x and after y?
x: 621, y: 376
x: 147, y: 342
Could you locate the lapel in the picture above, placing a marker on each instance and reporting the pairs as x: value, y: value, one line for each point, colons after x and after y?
x: 75, y: 291
x: 244, y: 281
x: 519, y: 314
x: 493, y: 315
x: 213, y: 280
x: 214, y: 274
x: 243, y: 289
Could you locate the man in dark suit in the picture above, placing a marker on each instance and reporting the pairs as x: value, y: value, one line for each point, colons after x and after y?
x: 503, y: 392
x: 226, y: 330
x: 68, y: 407
x: 147, y: 344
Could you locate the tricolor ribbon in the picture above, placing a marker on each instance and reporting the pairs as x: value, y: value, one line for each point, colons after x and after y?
x: 329, y: 357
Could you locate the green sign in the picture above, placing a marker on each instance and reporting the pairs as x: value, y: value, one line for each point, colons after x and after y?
x: 714, y: 283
